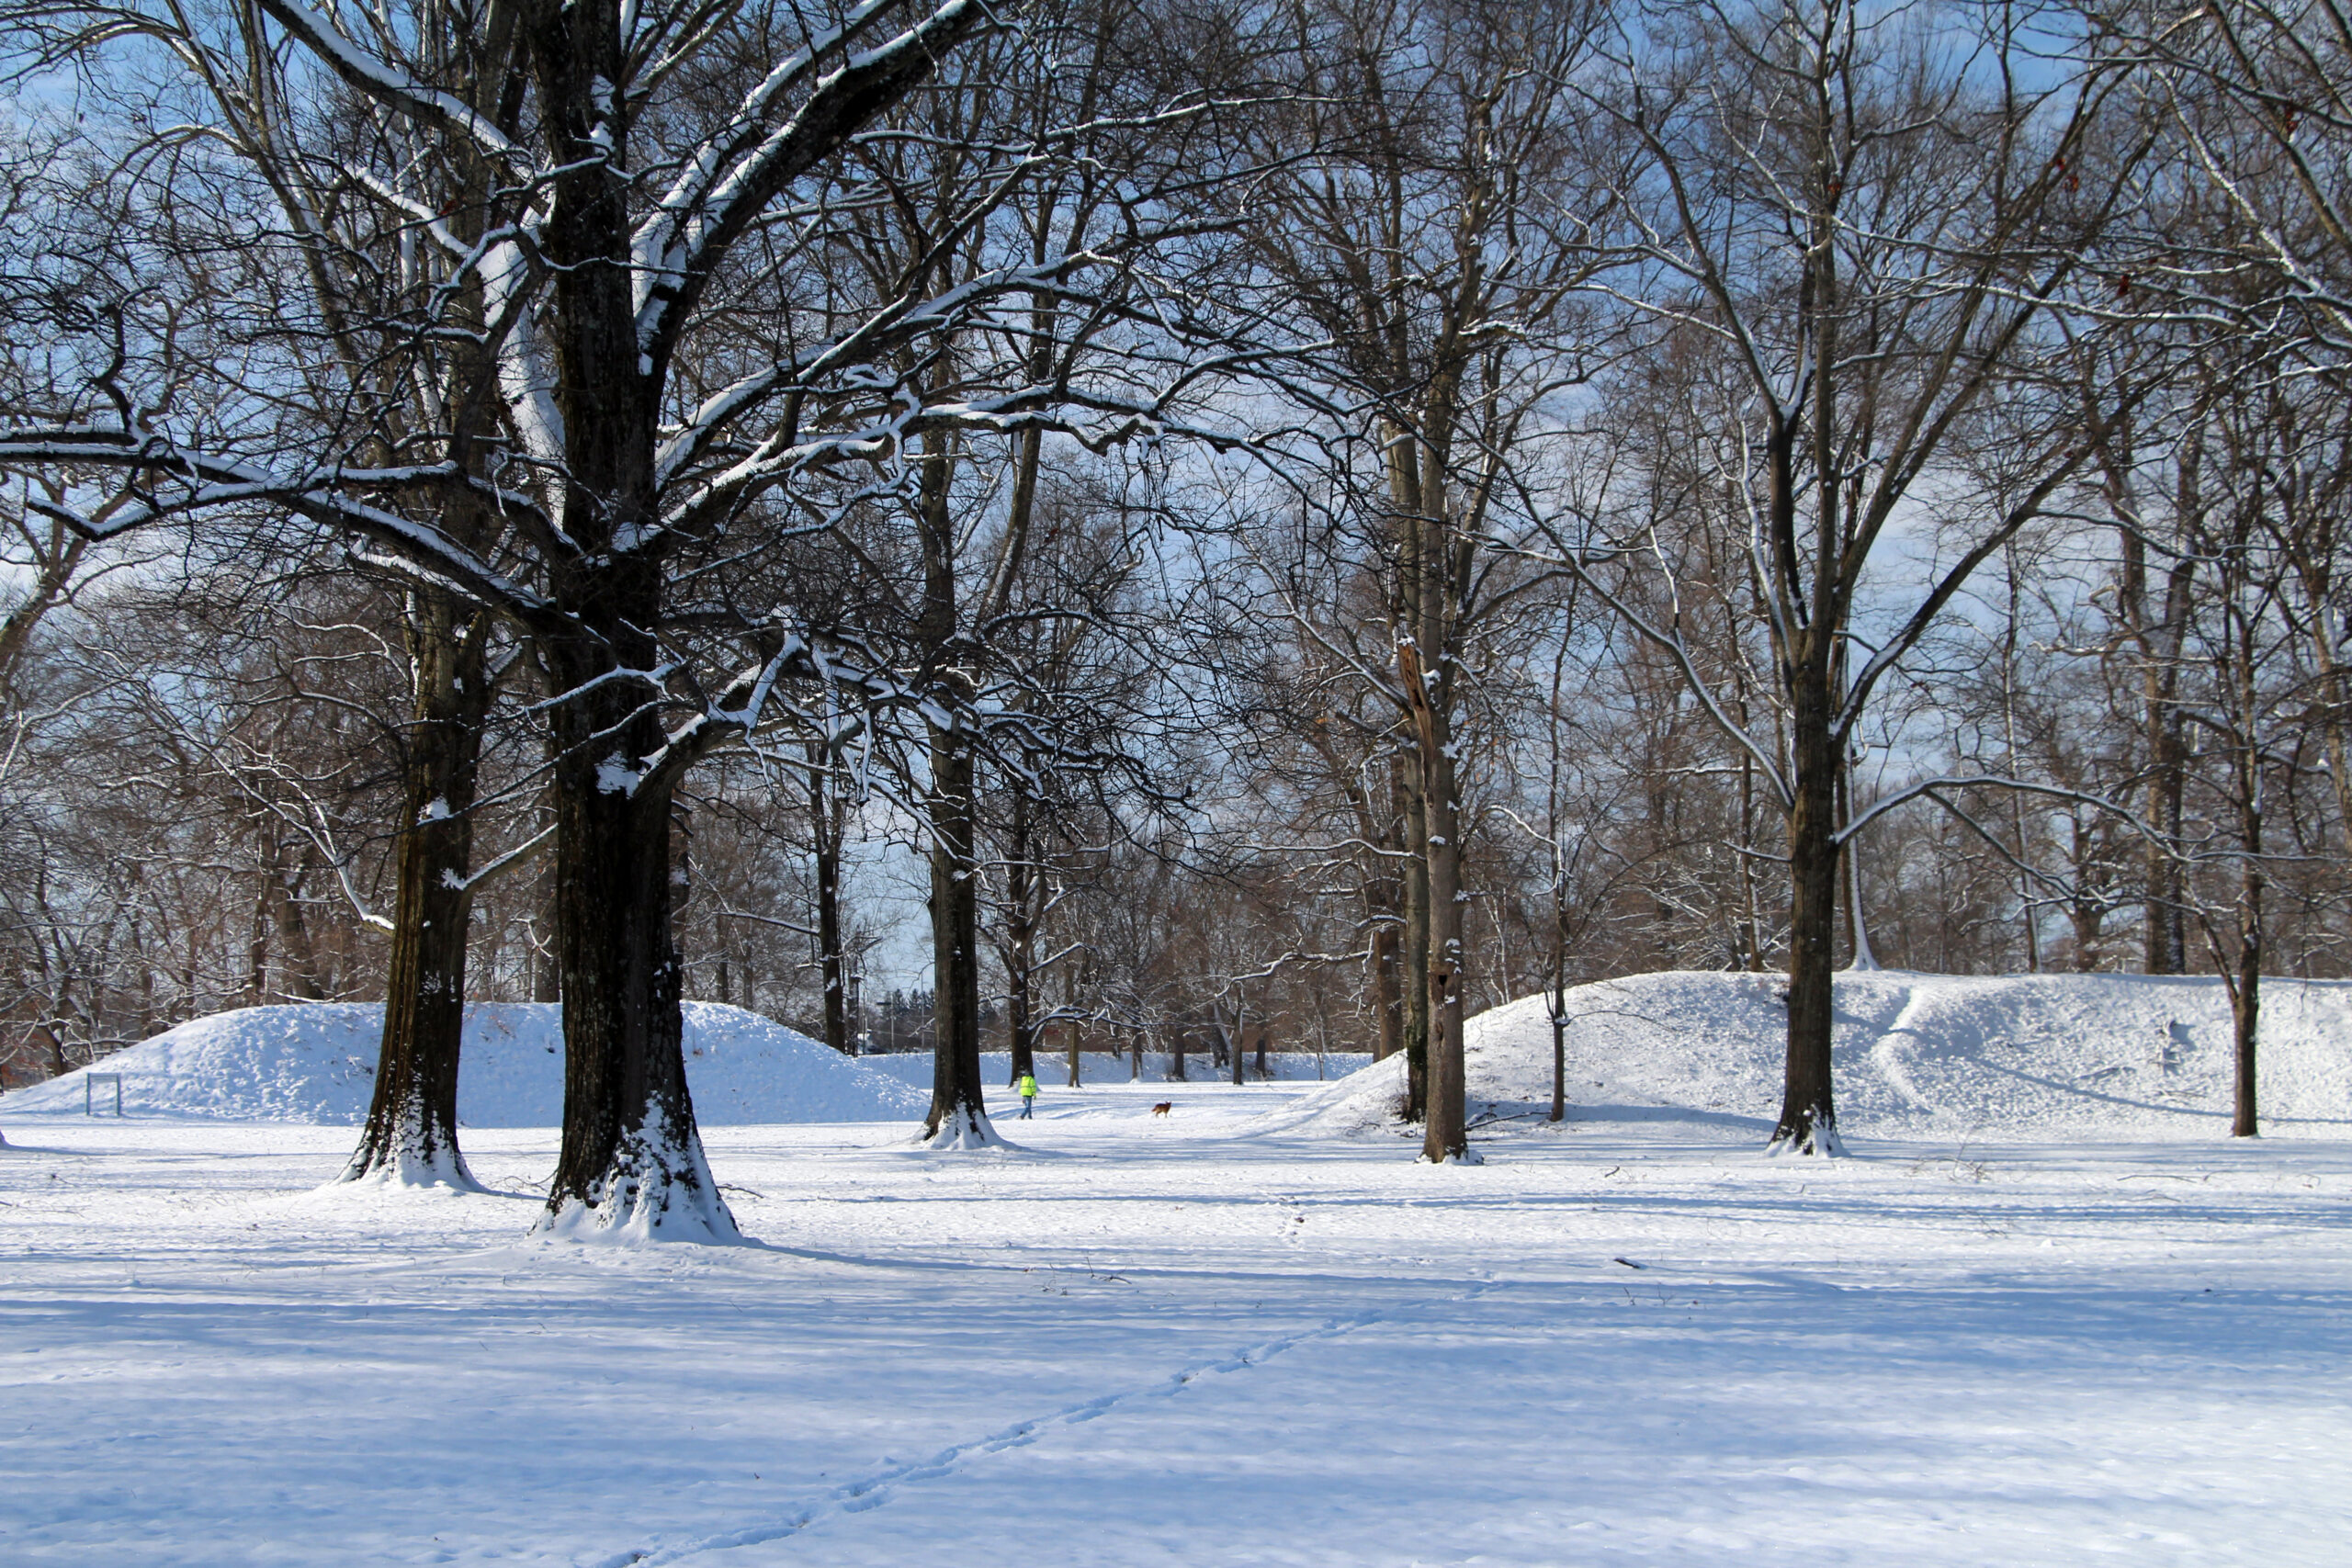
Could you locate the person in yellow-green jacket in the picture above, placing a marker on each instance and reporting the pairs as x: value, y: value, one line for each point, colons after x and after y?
x: 1028, y: 1094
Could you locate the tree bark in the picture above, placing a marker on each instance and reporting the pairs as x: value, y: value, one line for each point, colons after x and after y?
x: 2245, y: 997
x: 959, y: 1117
x: 1020, y: 944
x: 2165, y: 945
x: 1559, y: 1062
x: 1416, y: 942
x: 1808, y: 1123
x: 1445, y: 1137
x: 2246, y: 1015
x: 827, y: 822
x: 411, y: 1135
x: 631, y: 1157
x: 1387, y: 1005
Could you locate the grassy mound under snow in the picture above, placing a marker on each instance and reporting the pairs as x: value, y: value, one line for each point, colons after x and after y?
x: 2015, y: 1059
x: 316, y: 1064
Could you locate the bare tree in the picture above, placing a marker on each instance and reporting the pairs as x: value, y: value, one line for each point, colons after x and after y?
x: 1869, y: 232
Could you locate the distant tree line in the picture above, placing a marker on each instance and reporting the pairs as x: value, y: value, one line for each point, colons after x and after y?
x: 1309, y: 518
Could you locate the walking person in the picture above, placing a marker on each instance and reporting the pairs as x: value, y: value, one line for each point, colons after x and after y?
x: 1028, y: 1094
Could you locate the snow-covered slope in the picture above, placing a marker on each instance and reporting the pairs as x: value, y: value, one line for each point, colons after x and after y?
x: 2015, y: 1057
x: 317, y: 1063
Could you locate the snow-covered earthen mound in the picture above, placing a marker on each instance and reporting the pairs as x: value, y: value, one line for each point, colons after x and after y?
x: 317, y: 1063
x: 2020, y: 1058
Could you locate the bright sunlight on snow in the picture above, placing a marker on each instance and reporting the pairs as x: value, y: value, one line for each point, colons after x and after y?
x: 1222, y: 1335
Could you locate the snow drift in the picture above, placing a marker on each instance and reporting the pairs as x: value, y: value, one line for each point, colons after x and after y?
x: 2015, y: 1059
x: 317, y: 1063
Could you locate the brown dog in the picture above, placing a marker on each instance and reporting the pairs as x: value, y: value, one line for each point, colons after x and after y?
x: 1163, y: 1108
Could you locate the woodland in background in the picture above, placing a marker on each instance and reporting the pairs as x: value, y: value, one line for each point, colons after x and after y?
x: 1312, y: 518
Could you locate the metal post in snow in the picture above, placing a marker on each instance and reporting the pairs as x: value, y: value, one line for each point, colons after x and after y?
x: 90, y: 1092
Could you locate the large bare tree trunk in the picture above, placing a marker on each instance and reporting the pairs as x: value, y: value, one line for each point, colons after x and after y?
x: 959, y: 1117
x: 1808, y: 1123
x: 631, y: 1158
x: 1446, y: 1137
x: 411, y: 1135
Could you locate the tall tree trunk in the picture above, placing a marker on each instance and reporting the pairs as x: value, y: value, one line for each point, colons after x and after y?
x: 1021, y: 944
x: 300, y: 967
x: 1446, y: 1136
x: 1752, y: 916
x: 2245, y: 1012
x: 1808, y: 1121
x: 827, y: 822
x: 257, y: 955
x: 631, y: 1158
x: 1559, y: 1062
x: 1405, y: 770
x: 2245, y: 997
x: 959, y: 1117
x: 2166, y: 947
x: 411, y: 1135
x: 2009, y: 732
x: 1559, y: 1008
x: 546, y: 967
x: 2166, y: 950
x: 1387, y: 1004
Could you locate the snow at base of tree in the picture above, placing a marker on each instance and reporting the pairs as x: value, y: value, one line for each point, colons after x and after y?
x: 413, y: 1168
x: 1698, y: 1054
x: 966, y: 1129
x: 661, y: 1191
x: 317, y: 1063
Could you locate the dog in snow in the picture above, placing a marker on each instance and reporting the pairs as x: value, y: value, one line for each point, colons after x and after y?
x: 1163, y: 1108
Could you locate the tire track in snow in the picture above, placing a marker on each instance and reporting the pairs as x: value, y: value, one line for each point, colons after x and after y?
x: 878, y: 1485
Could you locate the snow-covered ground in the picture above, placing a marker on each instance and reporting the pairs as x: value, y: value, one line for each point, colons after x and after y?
x: 2047, y: 1314
x: 1172, y: 1339
x: 317, y: 1063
